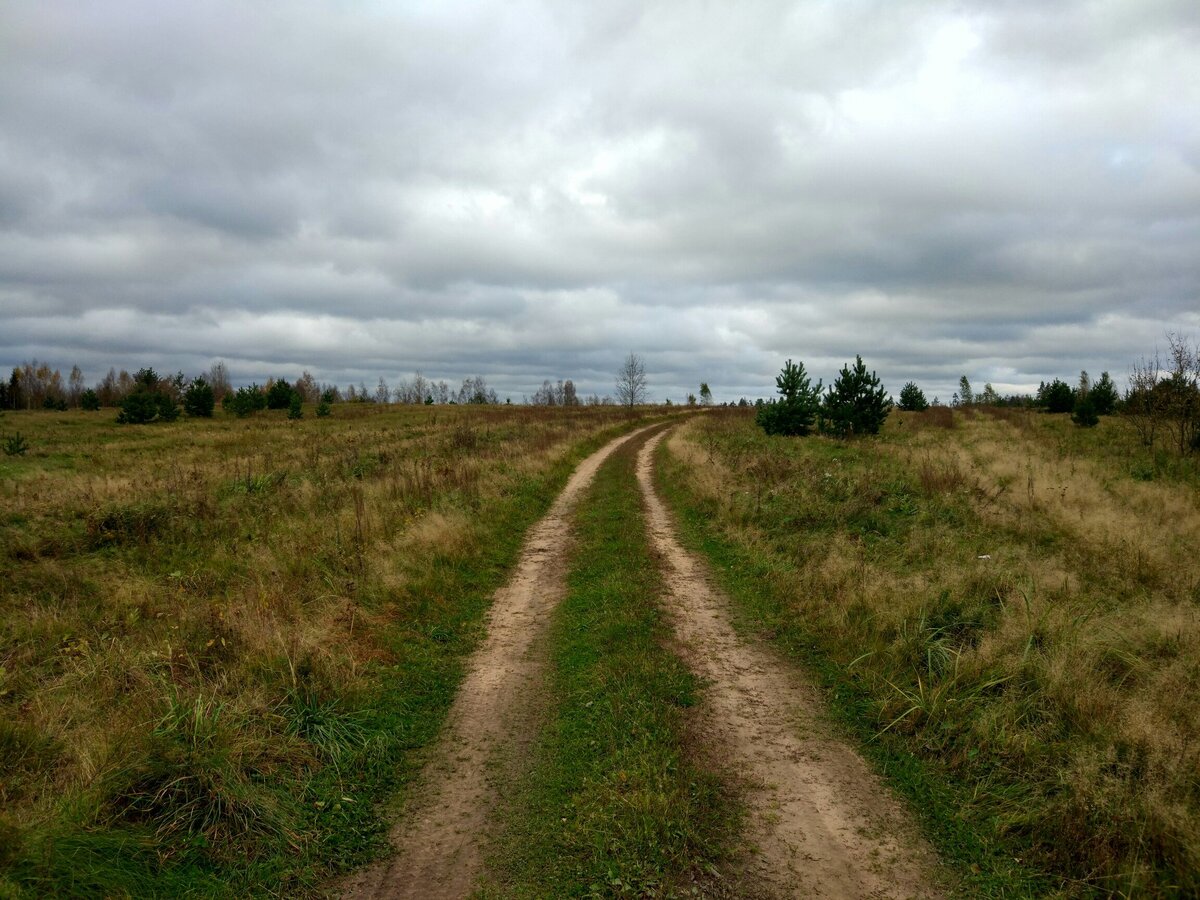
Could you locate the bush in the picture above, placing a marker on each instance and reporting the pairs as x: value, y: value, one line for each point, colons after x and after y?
x: 294, y: 410
x: 795, y: 411
x: 323, y: 409
x: 144, y: 406
x: 856, y: 403
x: 1085, y: 415
x: 15, y: 445
x: 90, y: 400
x: 199, y: 400
x: 912, y: 398
x: 279, y: 396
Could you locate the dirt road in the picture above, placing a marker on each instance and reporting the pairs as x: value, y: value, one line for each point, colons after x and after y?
x: 822, y: 823
x: 439, y: 840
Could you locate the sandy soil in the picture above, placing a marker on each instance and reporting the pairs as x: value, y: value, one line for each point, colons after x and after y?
x: 441, y: 835
x: 820, y: 822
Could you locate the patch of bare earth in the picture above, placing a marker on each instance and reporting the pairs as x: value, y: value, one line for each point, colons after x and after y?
x: 440, y: 838
x: 821, y: 824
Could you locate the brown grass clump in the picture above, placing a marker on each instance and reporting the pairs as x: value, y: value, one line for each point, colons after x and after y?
x: 934, y: 417
x: 1018, y: 601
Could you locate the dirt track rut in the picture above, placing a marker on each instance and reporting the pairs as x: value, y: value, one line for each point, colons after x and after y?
x: 439, y: 841
x: 822, y: 824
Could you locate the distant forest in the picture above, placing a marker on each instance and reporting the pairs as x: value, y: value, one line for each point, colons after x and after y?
x: 35, y: 385
x: 1161, y: 401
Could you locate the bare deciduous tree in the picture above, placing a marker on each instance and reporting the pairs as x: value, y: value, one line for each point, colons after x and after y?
x: 75, y: 386
x: 631, y: 381
x: 218, y: 380
x: 1181, y: 393
x: 306, y: 387
x: 1141, y: 400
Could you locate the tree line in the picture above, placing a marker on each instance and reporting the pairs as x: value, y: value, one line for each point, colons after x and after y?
x: 146, y: 395
x: 1161, y: 403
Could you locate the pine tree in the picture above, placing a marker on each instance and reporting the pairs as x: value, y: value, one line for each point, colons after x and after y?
x: 1104, y: 395
x: 796, y: 409
x: 199, y: 399
x: 912, y: 398
x: 856, y: 403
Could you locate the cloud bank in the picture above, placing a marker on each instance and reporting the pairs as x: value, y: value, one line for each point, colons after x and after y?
x: 532, y: 190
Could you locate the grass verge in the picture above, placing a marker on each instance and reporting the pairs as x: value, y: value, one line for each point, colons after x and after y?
x: 614, y: 803
x: 759, y: 585
x: 995, y: 598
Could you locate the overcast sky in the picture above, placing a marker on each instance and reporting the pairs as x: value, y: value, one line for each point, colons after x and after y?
x: 1009, y: 190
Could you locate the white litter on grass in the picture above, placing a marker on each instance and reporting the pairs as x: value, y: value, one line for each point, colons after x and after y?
x: 984, y: 556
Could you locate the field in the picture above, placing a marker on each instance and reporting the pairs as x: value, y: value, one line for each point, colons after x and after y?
x: 221, y: 641
x: 1003, y: 606
x: 228, y: 649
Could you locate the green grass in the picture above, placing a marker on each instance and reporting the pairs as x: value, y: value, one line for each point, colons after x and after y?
x: 616, y: 802
x: 214, y: 679
x: 1001, y: 611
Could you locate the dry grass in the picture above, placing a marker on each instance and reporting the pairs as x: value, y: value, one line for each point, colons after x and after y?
x: 1018, y: 602
x: 200, y: 620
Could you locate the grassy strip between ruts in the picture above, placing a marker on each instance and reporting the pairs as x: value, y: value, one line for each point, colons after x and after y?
x: 986, y: 865
x: 614, y: 802
x: 329, y: 820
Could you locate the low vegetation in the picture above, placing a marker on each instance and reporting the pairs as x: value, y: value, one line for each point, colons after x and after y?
x: 222, y: 639
x: 1004, y: 606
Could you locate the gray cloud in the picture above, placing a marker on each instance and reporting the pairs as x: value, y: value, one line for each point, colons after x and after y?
x: 530, y: 190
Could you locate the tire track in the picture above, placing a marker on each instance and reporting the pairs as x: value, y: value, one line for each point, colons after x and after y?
x: 440, y: 839
x: 820, y: 821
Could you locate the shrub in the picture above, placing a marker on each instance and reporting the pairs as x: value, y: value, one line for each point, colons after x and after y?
x: 912, y: 398
x: 89, y: 400
x: 796, y: 409
x: 144, y: 406
x: 323, y: 409
x: 279, y: 395
x: 199, y: 400
x: 15, y: 445
x: 294, y: 410
x: 1085, y: 415
x: 856, y: 403
x: 152, y: 399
